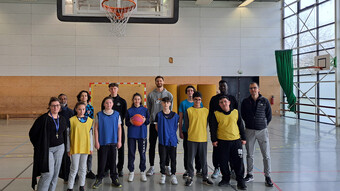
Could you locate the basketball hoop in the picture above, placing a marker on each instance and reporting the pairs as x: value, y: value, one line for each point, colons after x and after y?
x: 314, y: 69
x: 118, y: 12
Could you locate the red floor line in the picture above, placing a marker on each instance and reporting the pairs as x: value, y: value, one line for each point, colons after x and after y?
x: 311, y: 171
x: 275, y: 185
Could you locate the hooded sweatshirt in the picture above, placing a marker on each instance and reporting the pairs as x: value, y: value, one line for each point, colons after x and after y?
x: 154, y: 102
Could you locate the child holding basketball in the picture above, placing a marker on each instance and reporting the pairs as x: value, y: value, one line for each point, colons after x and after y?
x: 107, y: 136
x: 137, y: 134
x: 166, y: 124
x: 79, y: 145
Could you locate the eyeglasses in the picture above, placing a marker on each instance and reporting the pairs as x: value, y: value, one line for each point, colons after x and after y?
x: 55, y: 105
x: 253, y: 88
x: 197, y: 99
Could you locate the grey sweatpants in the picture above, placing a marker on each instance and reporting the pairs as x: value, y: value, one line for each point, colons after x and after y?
x: 262, y: 138
x: 78, y: 161
x: 201, y: 149
x: 48, y: 180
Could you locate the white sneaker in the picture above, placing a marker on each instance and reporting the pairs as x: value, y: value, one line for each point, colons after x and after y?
x: 168, y: 170
x: 174, y: 180
x: 151, y: 171
x: 143, y: 177
x: 162, y: 180
x: 131, y: 176
x: 216, y: 173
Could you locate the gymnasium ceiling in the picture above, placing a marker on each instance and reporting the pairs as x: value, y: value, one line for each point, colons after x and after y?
x: 54, y: 1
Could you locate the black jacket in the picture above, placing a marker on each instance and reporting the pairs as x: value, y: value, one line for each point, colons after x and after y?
x: 256, y: 114
x: 67, y: 113
x: 39, y: 137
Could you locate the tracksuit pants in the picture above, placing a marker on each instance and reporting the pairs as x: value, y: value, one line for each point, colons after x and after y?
x: 262, y: 138
x: 185, y: 148
x: 230, y: 151
x: 142, y: 143
x: 153, y: 135
x: 120, y: 163
x: 48, y: 180
x: 78, y: 162
x: 201, y: 149
x: 164, y: 152
x: 107, y: 154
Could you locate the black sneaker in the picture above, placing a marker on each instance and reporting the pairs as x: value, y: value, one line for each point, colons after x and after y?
x: 81, y: 188
x: 207, y: 182
x: 97, y: 184
x: 90, y: 175
x: 120, y: 173
x: 249, y: 178
x: 69, y: 189
x: 116, y: 183
x: 223, y: 183
x: 186, y: 174
x: 188, y: 182
x: 241, y: 185
x: 269, y: 182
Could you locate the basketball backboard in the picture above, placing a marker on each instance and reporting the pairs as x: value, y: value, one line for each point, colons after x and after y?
x: 147, y: 11
x: 322, y: 61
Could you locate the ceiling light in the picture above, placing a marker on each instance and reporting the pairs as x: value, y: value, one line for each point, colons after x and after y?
x: 203, y: 2
x: 245, y: 3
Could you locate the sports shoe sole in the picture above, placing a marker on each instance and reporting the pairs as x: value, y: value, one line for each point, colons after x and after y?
x: 208, y: 184
x: 95, y: 187
x: 117, y: 186
x: 189, y: 184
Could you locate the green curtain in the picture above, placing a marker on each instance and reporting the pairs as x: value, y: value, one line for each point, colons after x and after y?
x: 284, y: 67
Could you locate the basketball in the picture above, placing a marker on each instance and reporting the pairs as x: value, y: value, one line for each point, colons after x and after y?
x: 137, y: 120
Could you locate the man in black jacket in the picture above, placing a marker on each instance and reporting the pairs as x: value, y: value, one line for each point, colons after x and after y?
x: 67, y: 113
x: 257, y: 114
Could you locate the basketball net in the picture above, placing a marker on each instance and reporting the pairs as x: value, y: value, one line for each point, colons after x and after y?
x: 118, y: 12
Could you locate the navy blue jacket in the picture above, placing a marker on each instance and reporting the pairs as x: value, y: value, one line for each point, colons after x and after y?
x: 256, y: 114
x: 135, y: 131
x: 67, y: 113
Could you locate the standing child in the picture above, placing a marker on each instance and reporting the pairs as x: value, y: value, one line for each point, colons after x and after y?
x: 79, y: 145
x: 137, y: 134
x: 107, y: 134
x: 227, y: 135
x: 85, y: 97
x: 166, y: 122
x: 183, y: 134
x: 196, y: 120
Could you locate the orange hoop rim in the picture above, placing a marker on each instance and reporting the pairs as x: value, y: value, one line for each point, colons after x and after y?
x: 119, y: 11
x: 316, y: 67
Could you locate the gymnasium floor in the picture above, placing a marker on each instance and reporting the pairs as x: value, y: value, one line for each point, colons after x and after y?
x: 305, y: 156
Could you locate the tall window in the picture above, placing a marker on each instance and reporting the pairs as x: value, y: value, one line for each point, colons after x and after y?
x: 309, y: 29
